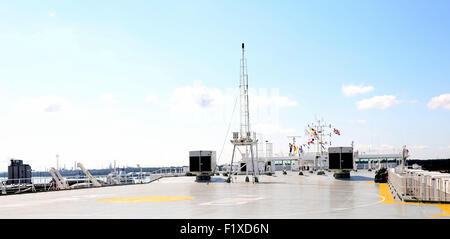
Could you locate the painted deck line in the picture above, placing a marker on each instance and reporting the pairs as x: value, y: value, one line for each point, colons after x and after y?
x: 146, y: 199
x: 386, y: 193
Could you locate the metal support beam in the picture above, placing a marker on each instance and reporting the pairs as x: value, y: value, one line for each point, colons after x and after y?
x: 91, y: 178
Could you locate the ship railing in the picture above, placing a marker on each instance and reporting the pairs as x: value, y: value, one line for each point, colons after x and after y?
x: 421, y: 185
x: 168, y: 171
x: 398, y: 182
x: 80, y: 180
x: 44, y: 182
x: 17, y: 185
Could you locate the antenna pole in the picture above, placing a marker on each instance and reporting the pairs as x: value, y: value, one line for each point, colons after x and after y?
x: 245, y: 119
x: 245, y: 138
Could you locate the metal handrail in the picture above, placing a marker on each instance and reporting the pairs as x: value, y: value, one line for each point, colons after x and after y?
x: 420, y: 185
x: 45, y: 183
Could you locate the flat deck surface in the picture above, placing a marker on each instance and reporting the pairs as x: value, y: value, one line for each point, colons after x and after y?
x: 279, y: 196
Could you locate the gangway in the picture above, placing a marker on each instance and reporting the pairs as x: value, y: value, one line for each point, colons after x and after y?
x: 60, y: 182
x: 91, y: 178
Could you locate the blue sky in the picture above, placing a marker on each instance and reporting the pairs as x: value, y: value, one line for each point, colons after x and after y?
x: 120, y: 80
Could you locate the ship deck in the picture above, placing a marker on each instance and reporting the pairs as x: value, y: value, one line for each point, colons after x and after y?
x: 279, y: 196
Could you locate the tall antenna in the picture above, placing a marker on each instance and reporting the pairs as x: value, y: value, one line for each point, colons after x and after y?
x: 243, y: 87
x: 245, y: 138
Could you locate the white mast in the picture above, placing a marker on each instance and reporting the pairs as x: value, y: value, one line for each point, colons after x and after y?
x: 243, y: 86
x: 245, y: 138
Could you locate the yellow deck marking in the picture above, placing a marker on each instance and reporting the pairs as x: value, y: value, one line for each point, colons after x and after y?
x: 443, y: 207
x: 386, y: 193
x: 146, y: 199
x: 370, y: 182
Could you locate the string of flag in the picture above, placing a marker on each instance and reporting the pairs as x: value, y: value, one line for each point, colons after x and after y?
x: 312, y: 139
x: 294, y: 148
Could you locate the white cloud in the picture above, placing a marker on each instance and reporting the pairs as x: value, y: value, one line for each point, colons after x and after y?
x: 152, y: 99
x: 351, y: 90
x: 440, y: 101
x: 52, y: 14
x: 197, y: 98
x: 420, y: 147
x: 106, y: 97
x: 271, y: 129
x: 378, y: 102
x: 43, y: 104
x: 202, y: 98
x: 264, y: 101
x: 413, y: 101
x: 357, y: 121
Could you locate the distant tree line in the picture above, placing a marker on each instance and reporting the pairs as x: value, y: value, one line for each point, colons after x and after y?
x: 431, y: 164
